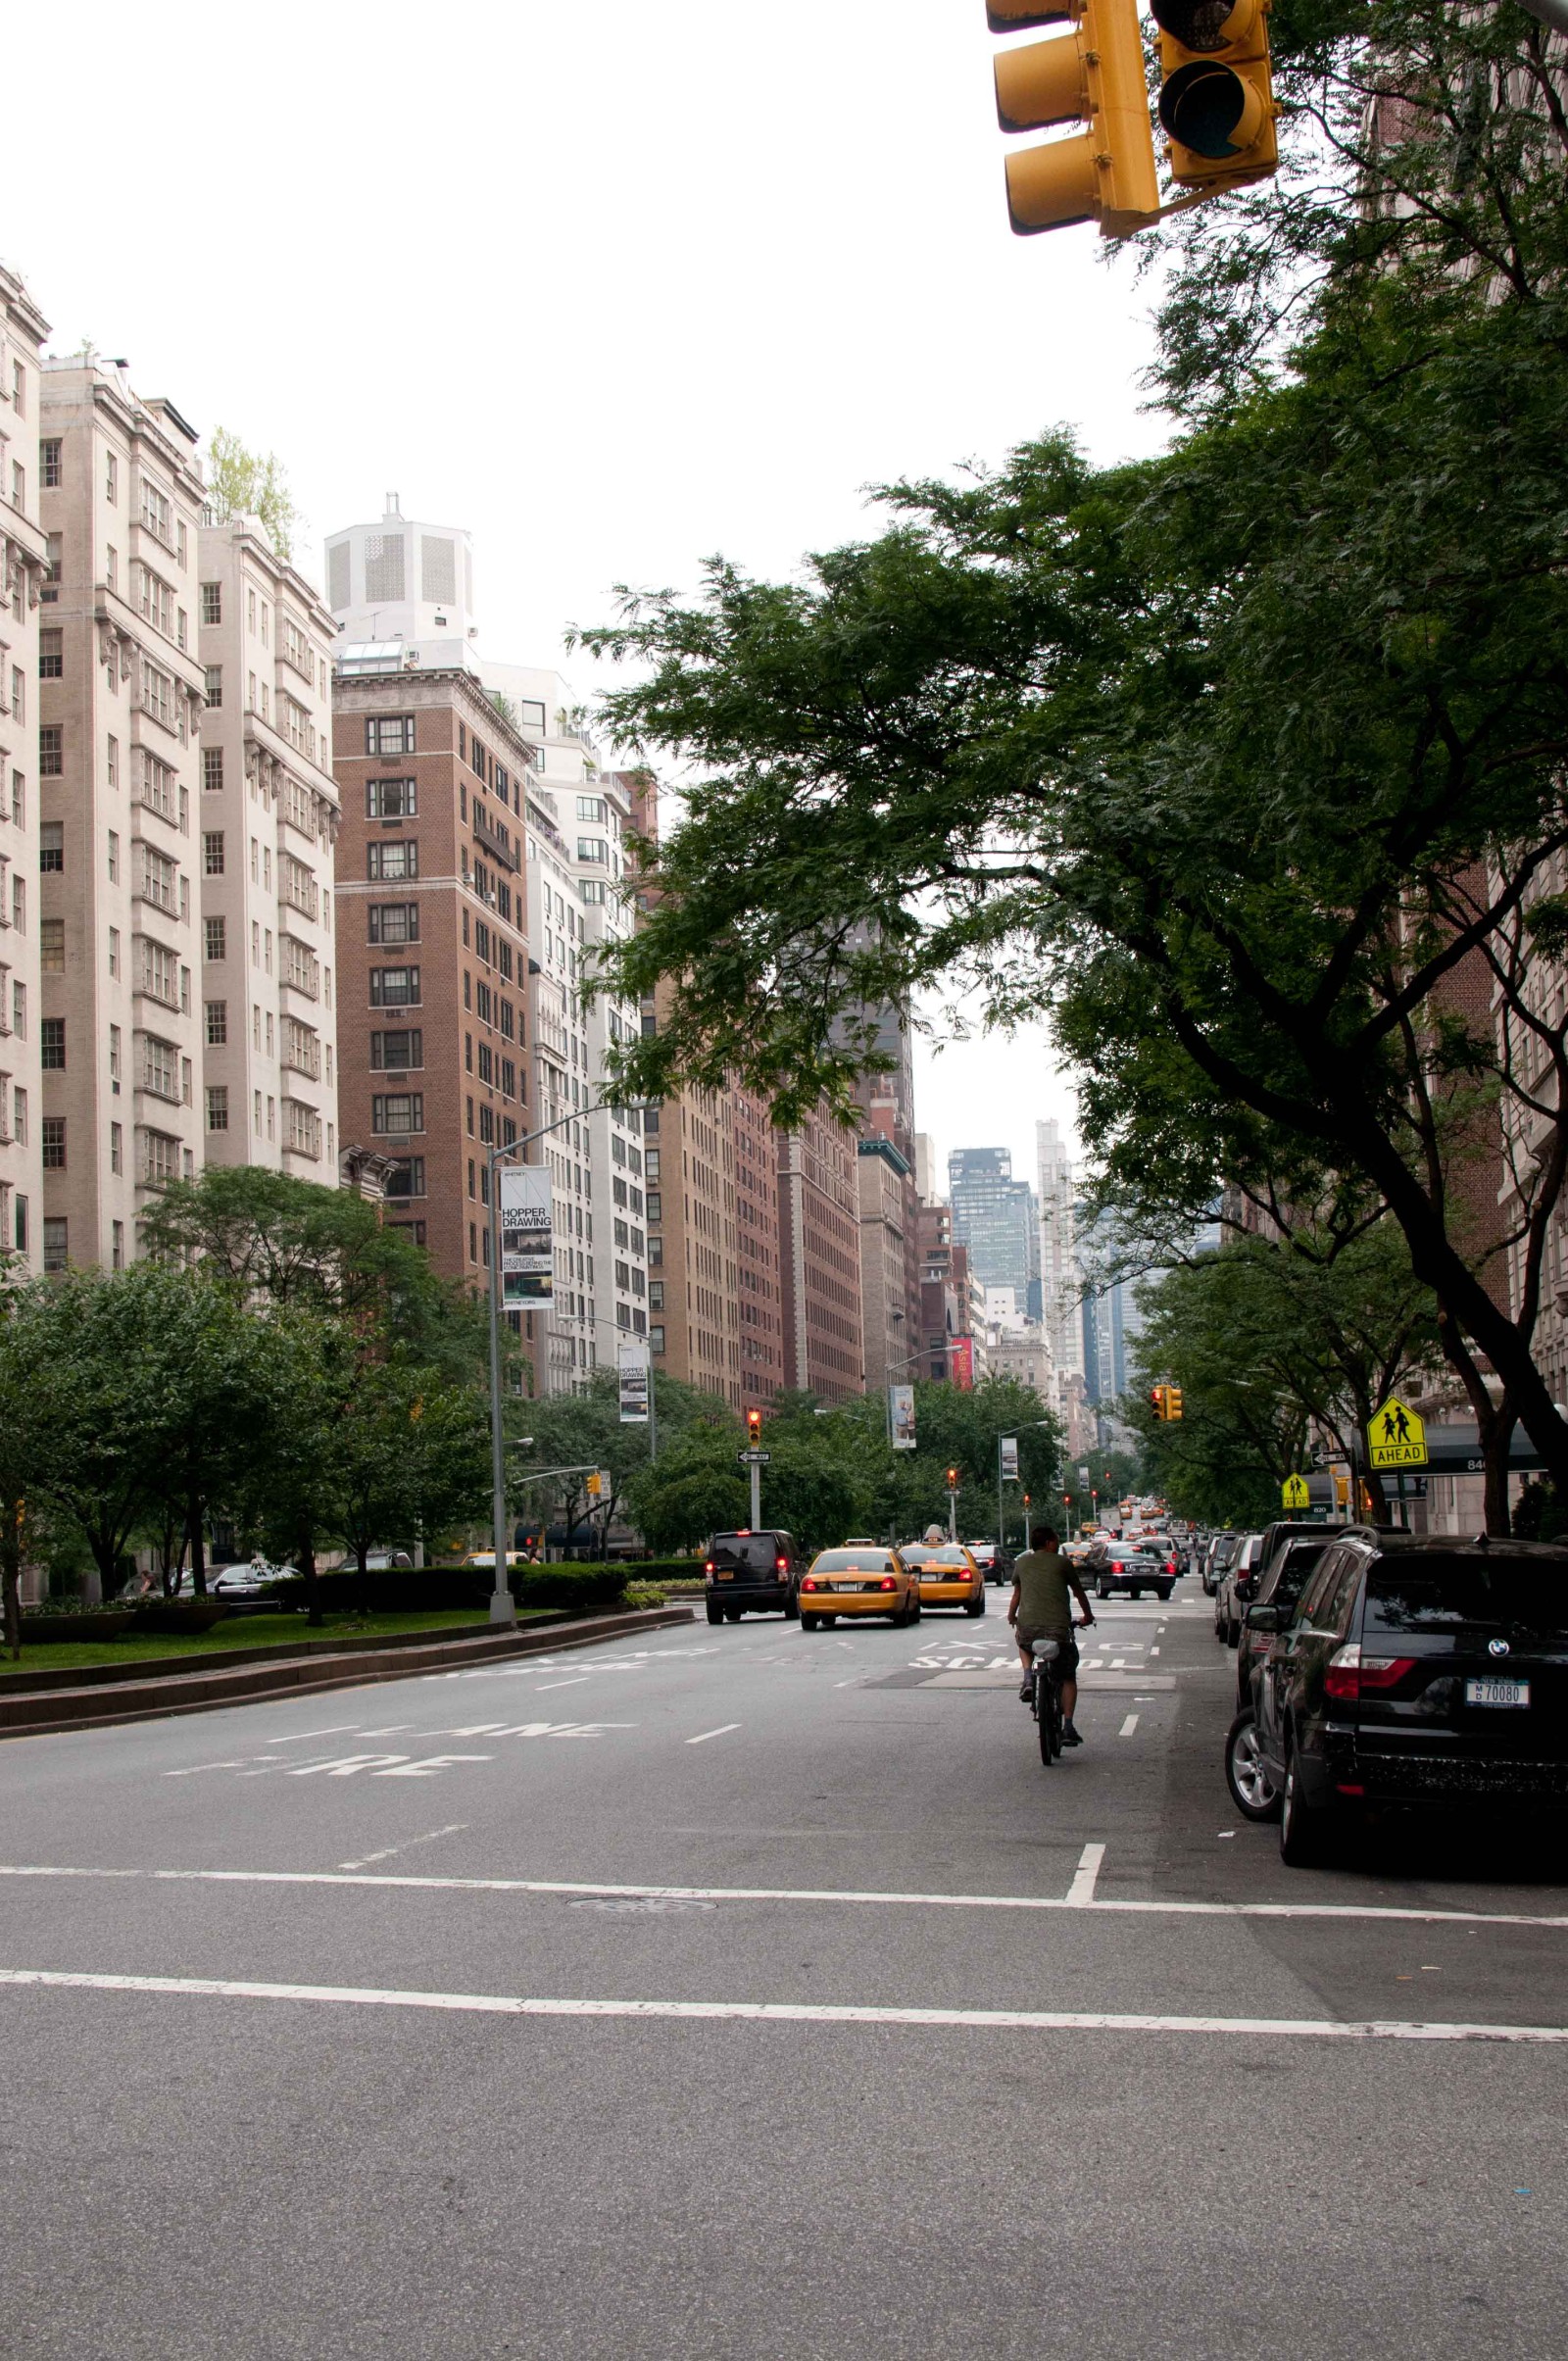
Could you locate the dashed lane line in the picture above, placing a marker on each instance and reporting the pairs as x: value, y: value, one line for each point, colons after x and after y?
x: 789, y: 2012
x: 1082, y: 1888
x: 1101, y: 1906
x: 723, y: 1731
x: 1128, y: 1726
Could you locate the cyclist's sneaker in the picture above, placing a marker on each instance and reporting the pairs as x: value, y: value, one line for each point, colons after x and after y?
x: 1027, y: 1690
x: 1070, y: 1736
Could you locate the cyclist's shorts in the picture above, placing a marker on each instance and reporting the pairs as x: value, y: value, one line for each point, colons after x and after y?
x: 1066, y: 1657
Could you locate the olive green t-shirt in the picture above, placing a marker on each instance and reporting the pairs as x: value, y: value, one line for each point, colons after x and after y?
x: 1045, y: 1602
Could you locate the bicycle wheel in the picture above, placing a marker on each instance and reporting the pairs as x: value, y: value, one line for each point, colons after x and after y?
x: 1045, y: 1716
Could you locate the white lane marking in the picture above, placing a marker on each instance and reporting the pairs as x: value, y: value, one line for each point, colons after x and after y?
x: 428, y: 1765
x: 723, y: 1730
x: 1082, y: 1888
x: 575, y: 1681
x: 792, y: 2012
x: 1128, y: 1726
x: 851, y: 1684
x: 408, y: 1844
x: 289, y: 1737
x: 1100, y: 1907
x: 344, y: 1766
x: 191, y: 1768
x: 1153, y: 1651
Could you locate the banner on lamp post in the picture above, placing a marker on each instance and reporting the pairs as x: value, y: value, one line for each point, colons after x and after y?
x: 528, y: 1234
x: 635, y: 1367
x: 901, y: 1416
x: 963, y: 1361
x: 1010, y: 1459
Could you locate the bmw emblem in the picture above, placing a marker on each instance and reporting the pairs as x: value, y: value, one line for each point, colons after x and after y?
x: 1497, y: 1648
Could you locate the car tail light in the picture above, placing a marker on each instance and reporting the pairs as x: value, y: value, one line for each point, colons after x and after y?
x: 1116, y: 1566
x: 709, y: 1567
x: 890, y: 1582
x: 1351, y: 1674
x: 781, y: 1565
x: 810, y: 1584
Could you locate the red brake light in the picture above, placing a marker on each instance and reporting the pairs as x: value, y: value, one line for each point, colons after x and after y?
x: 781, y: 1565
x: 1116, y: 1566
x: 709, y: 1567
x: 1349, y: 1674
x: 810, y: 1584
x: 889, y: 1582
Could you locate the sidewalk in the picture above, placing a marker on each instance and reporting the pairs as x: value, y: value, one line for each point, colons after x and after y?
x: 88, y: 1700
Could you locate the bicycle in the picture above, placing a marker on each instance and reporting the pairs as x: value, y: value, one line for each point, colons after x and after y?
x: 1045, y: 1696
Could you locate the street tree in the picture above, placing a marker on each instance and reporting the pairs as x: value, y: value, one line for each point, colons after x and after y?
x: 409, y: 1456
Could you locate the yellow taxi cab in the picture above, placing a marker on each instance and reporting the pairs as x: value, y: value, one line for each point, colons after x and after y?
x: 949, y: 1575
x: 860, y: 1579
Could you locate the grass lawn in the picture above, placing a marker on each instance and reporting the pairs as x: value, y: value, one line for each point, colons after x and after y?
x: 250, y: 1631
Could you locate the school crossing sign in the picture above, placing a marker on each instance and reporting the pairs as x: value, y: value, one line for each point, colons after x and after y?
x: 1396, y: 1437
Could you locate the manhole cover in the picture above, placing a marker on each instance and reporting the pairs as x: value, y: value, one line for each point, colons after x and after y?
x: 647, y: 1906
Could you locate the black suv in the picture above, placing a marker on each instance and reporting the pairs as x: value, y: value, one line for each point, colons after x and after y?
x: 1417, y: 1670
x: 760, y: 1570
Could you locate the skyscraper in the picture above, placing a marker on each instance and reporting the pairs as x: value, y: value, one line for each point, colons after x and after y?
x: 994, y: 1217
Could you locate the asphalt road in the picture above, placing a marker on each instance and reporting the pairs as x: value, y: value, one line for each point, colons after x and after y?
x: 808, y: 1937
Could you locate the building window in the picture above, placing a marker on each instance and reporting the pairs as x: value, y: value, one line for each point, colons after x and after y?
x: 406, y: 1177
x: 390, y: 799
x: 212, y: 601
x: 212, y: 768
x: 394, y: 922
x: 117, y: 1149
x: 398, y: 859
x: 111, y: 478
x: 389, y: 734
x: 592, y: 807
x: 51, y: 946
x: 399, y: 1113
x: 213, y: 852
x: 52, y: 1043
x: 51, y: 1132
x: 397, y: 1052
x: 216, y: 1107
x: 160, y: 1158
x: 216, y: 1023
x: 114, y: 951
x: 216, y: 932
x: 56, y: 1247
x: 160, y: 1068
x: 592, y: 848
x: 394, y: 987
x: 214, y: 685
x: 51, y: 655
x: 49, y: 460
x: 157, y: 515
x: 52, y: 752
x: 52, y: 844
x: 116, y: 1250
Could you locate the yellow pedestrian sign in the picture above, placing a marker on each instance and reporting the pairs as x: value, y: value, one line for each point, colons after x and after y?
x: 1295, y: 1494
x: 1397, y: 1437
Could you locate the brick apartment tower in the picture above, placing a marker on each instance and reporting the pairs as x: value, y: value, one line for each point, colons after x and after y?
x: 118, y: 755
x: 432, y: 943
x: 23, y: 330
x: 819, y: 1255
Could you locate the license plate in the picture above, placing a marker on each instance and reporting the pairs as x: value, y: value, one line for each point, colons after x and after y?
x: 725, y: 1577
x: 1497, y: 1693
x: 849, y: 1586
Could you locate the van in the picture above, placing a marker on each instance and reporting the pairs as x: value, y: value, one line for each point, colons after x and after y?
x: 758, y: 1572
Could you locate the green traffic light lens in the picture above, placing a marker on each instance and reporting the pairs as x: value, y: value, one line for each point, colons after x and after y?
x: 1201, y: 106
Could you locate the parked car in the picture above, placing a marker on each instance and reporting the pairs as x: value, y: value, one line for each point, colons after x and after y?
x: 1235, y: 1586
x: 388, y: 1561
x: 751, y: 1571
x: 948, y: 1575
x: 1279, y: 1584
x: 1222, y: 1548
x: 1418, y: 1671
x: 856, y: 1582
x: 1117, y: 1567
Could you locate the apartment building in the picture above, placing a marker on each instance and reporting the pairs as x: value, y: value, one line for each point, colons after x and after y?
x: 119, y: 706
x: 269, y: 820
x: 1062, y: 1283
x: 819, y: 1258
x: 431, y: 936
x: 889, y: 1254
x: 995, y: 1217
x: 23, y: 586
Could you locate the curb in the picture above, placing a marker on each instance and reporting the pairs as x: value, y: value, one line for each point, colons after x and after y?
x: 41, y: 1712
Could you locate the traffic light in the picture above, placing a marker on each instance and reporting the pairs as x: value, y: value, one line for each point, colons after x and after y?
x: 953, y: 1479
x: 754, y: 1428
x: 1157, y: 1400
x: 1216, y: 99
x: 1092, y: 74
x: 1173, y: 1402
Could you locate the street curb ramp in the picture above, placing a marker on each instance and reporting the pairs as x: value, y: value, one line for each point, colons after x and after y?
x: 35, y: 1713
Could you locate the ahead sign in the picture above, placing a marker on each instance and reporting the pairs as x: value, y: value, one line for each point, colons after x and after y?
x: 1397, y: 1437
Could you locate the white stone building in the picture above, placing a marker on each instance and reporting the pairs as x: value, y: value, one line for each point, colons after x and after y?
x: 25, y: 549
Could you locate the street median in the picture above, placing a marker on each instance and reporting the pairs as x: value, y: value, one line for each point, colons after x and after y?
x: 95, y: 1696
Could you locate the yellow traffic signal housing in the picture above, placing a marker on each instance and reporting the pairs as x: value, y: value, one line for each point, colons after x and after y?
x: 1157, y: 1400
x: 1216, y: 99
x: 1173, y: 1402
x: 753, y: 1427
x: 953, y: 1479
x: 1092, y: 74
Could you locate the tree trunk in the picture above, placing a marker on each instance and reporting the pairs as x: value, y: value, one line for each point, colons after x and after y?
x: 306, y: 1553
x: 11, y: 1517
x: 98, y: 1584
x: 198, y: 1548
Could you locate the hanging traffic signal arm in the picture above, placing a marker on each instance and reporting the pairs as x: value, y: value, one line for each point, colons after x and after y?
x: 1092, y: 74
x: 1217, y: 98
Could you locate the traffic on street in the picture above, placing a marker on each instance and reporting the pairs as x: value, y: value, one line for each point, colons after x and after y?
x: 743, y: 1989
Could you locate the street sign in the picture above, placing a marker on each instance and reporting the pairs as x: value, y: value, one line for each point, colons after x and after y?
x: 1396, y: 1436
x: 754, y: 1459
x: 1293, y: 1493
x: 1008, y: 1462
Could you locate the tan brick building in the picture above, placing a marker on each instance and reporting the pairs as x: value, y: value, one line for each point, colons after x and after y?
x: 22, y: 586
x: 118, y: 756
x: 432, y: 941
x: 819, y: 1257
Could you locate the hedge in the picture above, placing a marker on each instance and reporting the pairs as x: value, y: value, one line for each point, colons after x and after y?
x: 432, y: 1590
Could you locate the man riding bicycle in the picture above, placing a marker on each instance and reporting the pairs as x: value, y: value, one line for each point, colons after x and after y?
x: 1045, y: 1583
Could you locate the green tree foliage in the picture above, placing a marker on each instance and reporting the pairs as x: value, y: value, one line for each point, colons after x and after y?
x: 409, y: 1456
x: 1244, y: 763
x: 584, y: 1430
x: 241, y: 482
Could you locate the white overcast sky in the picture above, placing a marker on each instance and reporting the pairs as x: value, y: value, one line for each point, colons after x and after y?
x: 614, y: 283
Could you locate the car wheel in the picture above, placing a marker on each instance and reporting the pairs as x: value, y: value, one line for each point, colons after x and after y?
x: 716, y: 1614
x: 1253, y: 1791
x: 1300, y: 1827
x: 807, y: 1622
x: 976, y: 1606
x: 792, y: 1609
x: 1135, y: 1589
x: 1165, y: 1588
x: 1102, y: 1589
x: 831, y: 1621
x: 732, y: 1614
